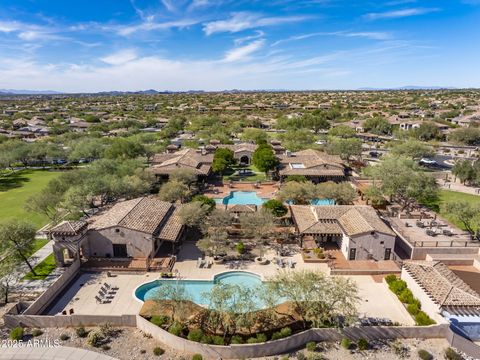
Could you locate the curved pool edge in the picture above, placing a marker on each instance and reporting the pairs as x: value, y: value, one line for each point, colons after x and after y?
x: 261, y: 278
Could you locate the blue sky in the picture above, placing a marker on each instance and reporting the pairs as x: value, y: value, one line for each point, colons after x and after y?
x: 96, y: 45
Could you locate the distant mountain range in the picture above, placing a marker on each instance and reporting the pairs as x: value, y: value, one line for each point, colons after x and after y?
x: 27, y: 92
x: 410, y: 87
x: 154, y: 92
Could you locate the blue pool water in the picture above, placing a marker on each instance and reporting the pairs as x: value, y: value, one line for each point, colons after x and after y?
x: 242, y: 198
x: 197, y: 288
x: 322, y: 202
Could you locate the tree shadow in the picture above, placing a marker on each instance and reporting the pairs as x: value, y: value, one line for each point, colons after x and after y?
x: 13, y: 181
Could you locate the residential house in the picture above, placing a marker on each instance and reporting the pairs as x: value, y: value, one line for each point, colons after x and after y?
x: 315, y: 165
x: 134, y: 228
x: 357, y: 231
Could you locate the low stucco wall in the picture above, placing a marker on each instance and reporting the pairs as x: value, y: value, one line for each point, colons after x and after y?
x: 41, y: 321
x: 428, y: 306
x: 291, y: 343
x: 54, y: 290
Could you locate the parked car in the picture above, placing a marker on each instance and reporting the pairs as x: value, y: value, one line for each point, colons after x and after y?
x: 428, y: 162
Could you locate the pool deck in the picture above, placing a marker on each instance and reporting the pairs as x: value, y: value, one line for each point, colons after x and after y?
x: 266, y: 191
x: 376, y: 299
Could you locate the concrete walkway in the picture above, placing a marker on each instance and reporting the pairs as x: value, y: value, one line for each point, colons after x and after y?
x: 35, y: 259
x: 50, y: 353
x: 458, y: 186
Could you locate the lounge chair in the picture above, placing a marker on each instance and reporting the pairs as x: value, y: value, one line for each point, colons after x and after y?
x: 199, y: 262
x: 99, y: 300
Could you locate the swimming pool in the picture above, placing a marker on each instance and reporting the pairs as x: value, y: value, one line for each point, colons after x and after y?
x: 242, y: 198
x: 197, y: 288
x: 323, y: 202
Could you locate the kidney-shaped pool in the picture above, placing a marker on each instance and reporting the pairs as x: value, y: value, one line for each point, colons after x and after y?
x: 197, y: 288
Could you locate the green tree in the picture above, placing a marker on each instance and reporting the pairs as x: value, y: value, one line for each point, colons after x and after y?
x: 276, y: 207
x: 342, y: 193
x: 342, y: 131
x: 317, y: 298
x: 258, y: 227
x: 173, y: 191
x: 175, y: 296
x: 264, y: 158
x: 298, y: 193
x: 205, y: 200
x: 8, y: 277
x: 216, y: 230
x: 258, y: 136
x: 465, y: 171
x: 193, y: 214
x: 316, y: 121
x: 402, y: 181
x: 345, y: 148
x: 426, y: 131
x: 413, y: 149
x: 466, y: 135
x: 17, y: 239
x: 466, y: 213
x: 222, y: 160
x: 121, y: 148
x: 184, y: 175
x: 378, y: 125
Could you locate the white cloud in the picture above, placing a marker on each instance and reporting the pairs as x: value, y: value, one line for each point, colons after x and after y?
x: 400, y: 13
x: 243, y: 52
x: 120, y: 57
x: 373, y: 35
x: 151, y: 25
x: 245, y: 20
x: 169, y: 5
x: 9, y: 26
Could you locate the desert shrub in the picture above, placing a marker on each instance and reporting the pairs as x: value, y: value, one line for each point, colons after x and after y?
x: 413, y: 309
x: 16, y: 333
x: 276, y: 335
x: 143, y: 351
x: 424, y: 355
x: 319, y: 253
x: 362, y: 344
x: 451, y: 354
x: 197, y: 357
x: 176, y: 328
x: 262, y: 338
x: 422, y: 319
x: 236, y: 339
x: 106, y: 347
x: 81, y: 332
x: 94, y: 338
x: 159, y: 320
x: 218, y: 340
x: 158, y: 351
x: 311, y: 346
x: 315, y: 356
x: 258, y: 339
x: 286, y: 331
x: 195, y: 335
x: 390, y: 278
x: 398, y: 286
x: 240, y: 248
x: 300, y: 356
x: 36, y: 332
x: 107, y: 330
x: 64, y: 337
x: 207, y: 339
x: 406, y: 296
x: 346, y: 343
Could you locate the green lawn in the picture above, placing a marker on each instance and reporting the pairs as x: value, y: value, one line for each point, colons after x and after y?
x: 446, y: 196
x: 39, y: 243
x: 15, y: 189
x: 43, y: 269
x: 256, y: 176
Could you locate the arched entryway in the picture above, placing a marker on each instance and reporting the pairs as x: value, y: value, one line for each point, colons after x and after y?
x: 245, y: 160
